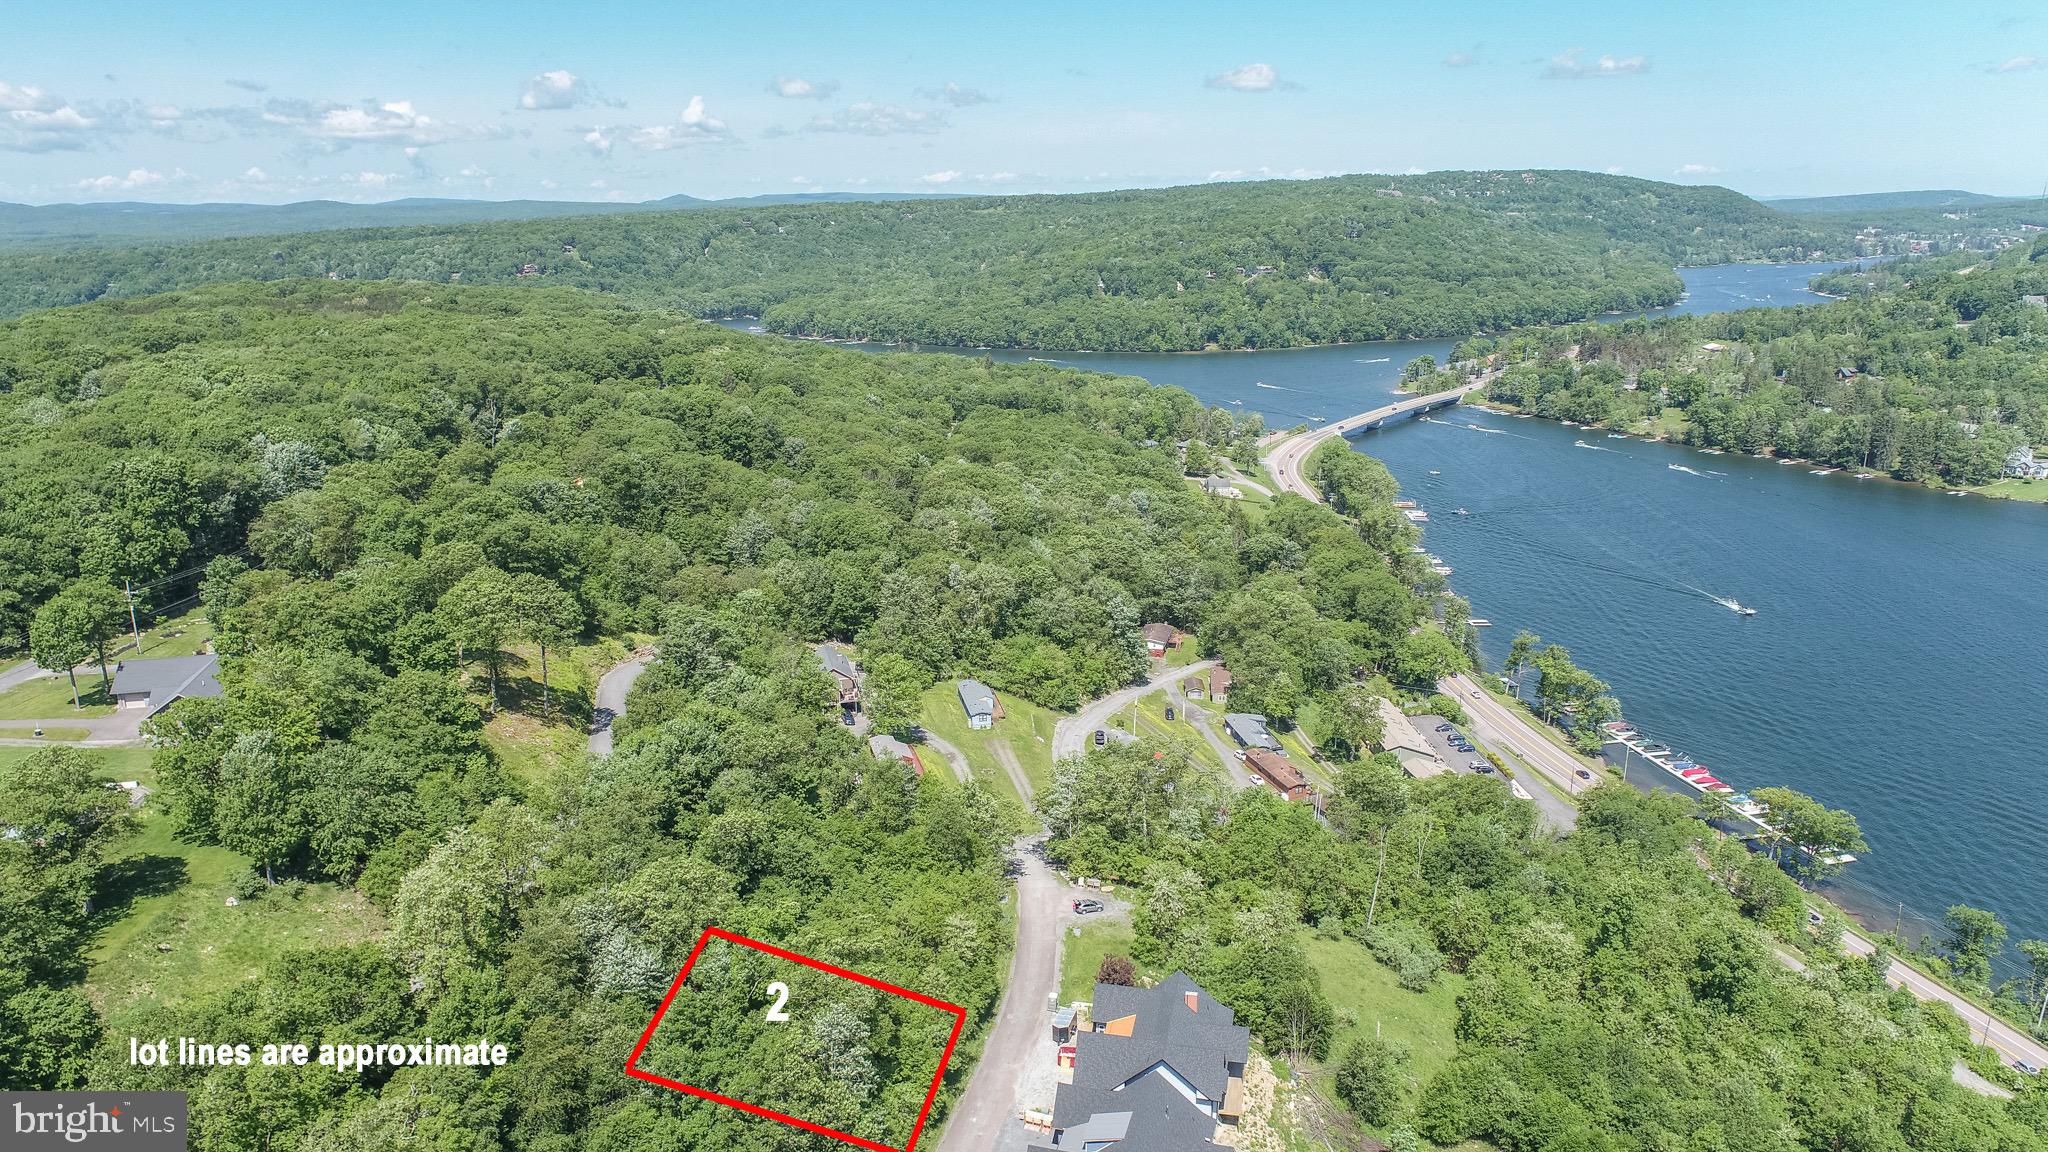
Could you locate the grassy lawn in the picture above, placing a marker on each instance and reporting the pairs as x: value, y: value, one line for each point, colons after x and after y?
x: 49, y: 698
x: 1150, y: 716
x: 182, y: 635
x: 1025, y: 731
x: 119, y: 763
x: 1081, y: 957
x: 1366, y: 996
x: 51, y: 732
x: 168, y: 892
x: 532, y: 752
x: 2013, y: 488
x: 157, y: 890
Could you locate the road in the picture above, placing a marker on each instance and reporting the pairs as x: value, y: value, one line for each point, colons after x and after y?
x: 958, y: 760
x: 1554, y: 811
x: 1285, y: 457
x: 612, y: 689
x: 2009, y: 1042
x: 986, y: 1116
x: 1498, y: 724
x: 1071, y: 735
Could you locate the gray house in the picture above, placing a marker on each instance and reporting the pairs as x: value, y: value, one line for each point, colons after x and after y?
x: 1160, y: 1070
x: 1249, y: 730
x: 978, y: 700
x: 157, y: 684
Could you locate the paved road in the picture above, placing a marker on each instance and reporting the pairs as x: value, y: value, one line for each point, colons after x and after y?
x: 958, y: 760
x: 21, y: 673
x: 988, y: 1107
x: 612, y: 689
x: 2009, y: 1042
x: 1070, y: 737
x: 1555, y: 812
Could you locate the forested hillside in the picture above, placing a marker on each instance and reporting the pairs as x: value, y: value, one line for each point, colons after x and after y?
x: 1226, y: 265
x: 1936, y: 372
x: 398, y: 492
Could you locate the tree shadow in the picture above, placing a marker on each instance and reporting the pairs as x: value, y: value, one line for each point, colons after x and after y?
x: 123, y: 882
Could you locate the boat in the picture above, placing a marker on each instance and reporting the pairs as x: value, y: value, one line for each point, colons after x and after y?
x: 1822, y: 472
x: 1319, y: 419
x: 1440, y: 569
x: 1710, y: 451
x: 1616, y: 436
x: 1480, y: 622
x: 1461, y: 511
x: 1866, y: 475
x: 1435, y: 472
x: 1416, y: 515
x: 1237, y: 402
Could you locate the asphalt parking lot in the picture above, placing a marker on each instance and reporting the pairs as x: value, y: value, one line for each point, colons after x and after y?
x: 1440, y: 743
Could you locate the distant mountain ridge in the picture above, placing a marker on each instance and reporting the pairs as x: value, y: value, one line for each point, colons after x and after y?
x: 1880, y: 201
x: 133, y: 221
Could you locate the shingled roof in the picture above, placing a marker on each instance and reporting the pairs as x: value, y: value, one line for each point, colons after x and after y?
x: 168, y: 680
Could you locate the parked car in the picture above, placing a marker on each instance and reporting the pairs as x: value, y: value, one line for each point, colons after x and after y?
x: 846, y: 717
x: 1480, y: 766
x: 1169, y: 711
x: 1101, y: 737
x: 1087, y: 907
x: 1443, y: 727
x: 601, y: 719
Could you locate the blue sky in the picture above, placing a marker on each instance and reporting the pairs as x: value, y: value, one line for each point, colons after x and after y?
x: 207, y: 101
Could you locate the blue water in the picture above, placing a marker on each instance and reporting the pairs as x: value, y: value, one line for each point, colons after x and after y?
x: 1898, y: 663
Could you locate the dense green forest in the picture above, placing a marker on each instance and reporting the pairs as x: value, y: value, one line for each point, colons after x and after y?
x: 396, y: 492
x: 1933, y: 370
x: 1226, y: 265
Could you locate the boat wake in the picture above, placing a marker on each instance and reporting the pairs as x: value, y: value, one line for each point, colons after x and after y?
x: 1274, y: 387
x: 1044, y: 360
x: 1706, y: 475
x: 1594, y: 447
x: 1728, y: 602
x: 1379, y: 360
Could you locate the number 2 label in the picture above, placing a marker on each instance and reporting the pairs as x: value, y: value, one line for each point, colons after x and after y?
x: 780, y: 991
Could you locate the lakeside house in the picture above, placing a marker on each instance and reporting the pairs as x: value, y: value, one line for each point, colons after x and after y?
x: 1281, y: 773
x: 845, y: 675
x: 1249, y: 730
x: 2023, y: 463
x: 978, y: 700
x: 1398, y: 735
x: 885, y: 747
x: 1159, y: 638
x: 1160, y: 1070
x: 157, y: 684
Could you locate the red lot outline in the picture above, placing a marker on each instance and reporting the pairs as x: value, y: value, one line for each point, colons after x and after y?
x: 959, y: 1019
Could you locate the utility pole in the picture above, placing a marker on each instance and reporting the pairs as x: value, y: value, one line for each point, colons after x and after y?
x: 128, y: 586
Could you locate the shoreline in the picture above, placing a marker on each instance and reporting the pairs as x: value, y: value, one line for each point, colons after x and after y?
x: 1486, y: 404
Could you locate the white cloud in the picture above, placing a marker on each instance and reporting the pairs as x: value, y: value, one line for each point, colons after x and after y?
x: 255, y: 175
x: 2015, y: 64
x: 560, y: 88
x: 598, y: 140
x: 947, y: 177
x: 373, y: 179
x: 1001, y: 177
x: 1460, y: 60
x: 956, y: 95
x: 1695, y: 170
x: 693, y: 126
x: 392, y: 122
x: 135, y: 180
x: 801, y: 181
x: 1263, y: 172
x: 1614, y: 169
x: 798, y: 88
x: 1567, y: 65
x: 1250, y: 78
x: 869, y: 118
x: 34, y: 120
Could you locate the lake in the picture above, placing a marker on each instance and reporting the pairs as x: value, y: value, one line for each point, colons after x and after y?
x: 1897, y: 666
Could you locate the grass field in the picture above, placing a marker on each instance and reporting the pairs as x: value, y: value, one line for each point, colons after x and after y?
x: 2013, y: 488
x: 1025, y: 732
x: 49, y: 732
x: 170, y: 893
x: 1081, y: 956
x: 159, y: 891
x: 1367, y: 997
x: 49, y: 698
x: 117, y: 763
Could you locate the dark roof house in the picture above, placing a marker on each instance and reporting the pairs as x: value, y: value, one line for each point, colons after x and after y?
x: 1162, y: 1067
x: 157, y: 684
x: 1249, y: 730
x: 845, y: 677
